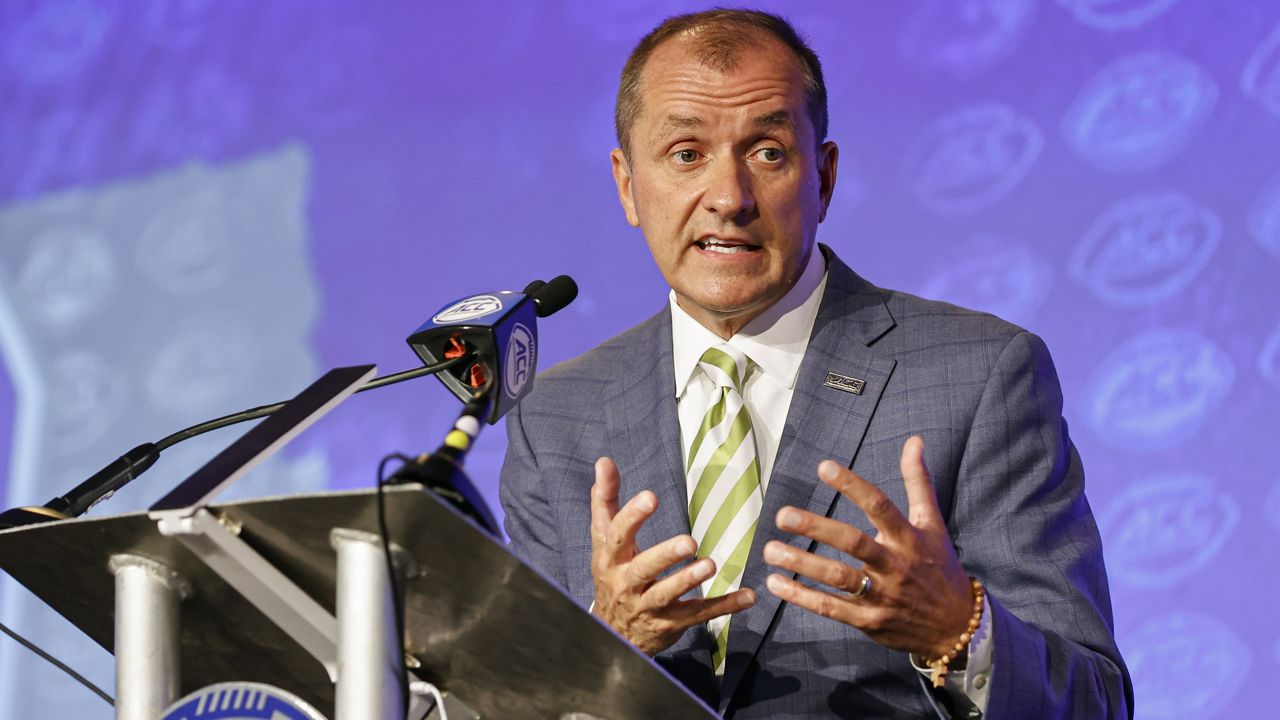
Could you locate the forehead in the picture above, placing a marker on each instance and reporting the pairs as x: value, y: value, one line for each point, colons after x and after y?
x: 760, y: 73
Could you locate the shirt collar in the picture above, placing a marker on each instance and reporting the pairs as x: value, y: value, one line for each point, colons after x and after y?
x: 775, y: 340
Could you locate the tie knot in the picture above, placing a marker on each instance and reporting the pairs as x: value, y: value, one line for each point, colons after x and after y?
x: 725, y: 365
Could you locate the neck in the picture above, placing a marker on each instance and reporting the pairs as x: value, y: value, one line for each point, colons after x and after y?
x: 724, y: 325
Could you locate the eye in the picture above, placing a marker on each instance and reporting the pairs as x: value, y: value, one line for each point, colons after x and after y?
x: 685, y: 157
x: 770, y: 154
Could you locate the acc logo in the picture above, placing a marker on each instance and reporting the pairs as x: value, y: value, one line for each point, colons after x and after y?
x: 522, y: 355
x: 88, y: 393
x: 1117, y: 14
x: 972, y: 158
x: 1158, y: 388
x: 1003, y: 278
x: 1139, y: 111
x: 965, y: 37
x: 68, y: 276
x: 469, y: 309
x: 1261, y: 77
x: 1162, y: 530
x: 1145, y: 249
x: 1264, y: 216
x: 1185, y: 665
x: 241, y: 701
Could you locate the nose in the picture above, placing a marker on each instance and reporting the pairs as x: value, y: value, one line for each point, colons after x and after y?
x: 729, y: 191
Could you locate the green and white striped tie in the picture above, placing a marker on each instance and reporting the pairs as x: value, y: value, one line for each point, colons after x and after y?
x: 724, y: 473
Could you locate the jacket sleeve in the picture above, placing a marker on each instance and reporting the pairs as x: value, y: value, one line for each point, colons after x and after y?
x: 1022, y: 525
x: 529, y: 520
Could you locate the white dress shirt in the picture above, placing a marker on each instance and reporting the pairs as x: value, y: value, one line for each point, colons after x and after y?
x: 775, y: 342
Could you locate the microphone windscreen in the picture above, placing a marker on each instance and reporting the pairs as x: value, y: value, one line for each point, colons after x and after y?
x: 553, y: 296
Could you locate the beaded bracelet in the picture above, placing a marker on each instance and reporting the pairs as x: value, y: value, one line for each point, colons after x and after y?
x: 941, y: 665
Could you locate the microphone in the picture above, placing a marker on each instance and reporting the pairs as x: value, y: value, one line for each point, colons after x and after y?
x: 500, y: 330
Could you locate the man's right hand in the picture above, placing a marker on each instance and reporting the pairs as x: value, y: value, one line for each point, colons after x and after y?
x: 641, y: 608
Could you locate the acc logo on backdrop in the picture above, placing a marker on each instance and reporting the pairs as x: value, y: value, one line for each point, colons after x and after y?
x: 522, y: 353
x: 1117, y: 14
x: 202, y: 364
x: 999, y: 277
x: 970, y: 159
x: 1139, y: 111
x: 1145, y: 249
x: 1158, y: 388
x: 1261, y: 77
x: 1163, y: 529
x: 1264, y: 216
x: 965, y: 36
x: 469, y: 309
x: 186, y: 247
x: 88, y: 395
x: 69, y: 274
x: 57, y: 40
x: 1185, y: 665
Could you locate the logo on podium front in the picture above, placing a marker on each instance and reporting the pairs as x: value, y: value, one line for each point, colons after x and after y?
x: 241, y: 701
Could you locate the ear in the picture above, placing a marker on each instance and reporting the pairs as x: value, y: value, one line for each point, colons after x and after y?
x: 622, y: 178
x: 828, y: 157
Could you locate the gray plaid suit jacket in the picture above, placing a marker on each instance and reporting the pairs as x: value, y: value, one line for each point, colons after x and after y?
x: 985, y: 397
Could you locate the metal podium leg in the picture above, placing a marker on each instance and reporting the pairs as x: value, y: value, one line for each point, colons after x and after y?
x: 146, y: 636
x: 370, y: 656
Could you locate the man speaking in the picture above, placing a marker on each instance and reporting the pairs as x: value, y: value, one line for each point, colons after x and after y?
x: 804, y: 495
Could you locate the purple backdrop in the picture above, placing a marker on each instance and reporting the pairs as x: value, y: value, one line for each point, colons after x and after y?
x: 203, y: 205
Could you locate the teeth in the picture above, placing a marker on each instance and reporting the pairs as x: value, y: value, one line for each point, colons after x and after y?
x: 715, y: 245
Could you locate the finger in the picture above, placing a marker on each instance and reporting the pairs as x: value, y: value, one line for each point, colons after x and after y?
x: 847, y: 539
x: 669, y: 589
x: 829, y: 572
x: 922, y: 502
x: 620, y: 539
x: 817, y: 601
x: 604, y: 500
x: 877, y: 506
x: 701, y: 610
x: 652, y: 562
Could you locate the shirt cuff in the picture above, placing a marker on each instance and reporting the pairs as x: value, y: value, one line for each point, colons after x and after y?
x: 975, y: 682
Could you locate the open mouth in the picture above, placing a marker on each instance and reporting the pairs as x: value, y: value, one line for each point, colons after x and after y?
x: 725, y: 247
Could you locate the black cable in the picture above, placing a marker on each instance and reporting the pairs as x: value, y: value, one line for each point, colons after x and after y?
x: 58, y: 664
x: 264, y: 410
x: 397, y: 599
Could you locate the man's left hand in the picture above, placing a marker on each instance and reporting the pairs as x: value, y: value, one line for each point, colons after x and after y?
x: 919, y: 599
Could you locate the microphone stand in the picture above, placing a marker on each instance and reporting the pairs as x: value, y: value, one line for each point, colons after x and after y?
x: 104, y: 483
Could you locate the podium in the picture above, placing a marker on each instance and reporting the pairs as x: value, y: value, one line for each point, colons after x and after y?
x: 485, y: 627
x: 296, y: 593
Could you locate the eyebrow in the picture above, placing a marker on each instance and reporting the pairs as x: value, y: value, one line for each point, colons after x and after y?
x: 678, y: 122
x: 778, y: 118
x: 675, y: 123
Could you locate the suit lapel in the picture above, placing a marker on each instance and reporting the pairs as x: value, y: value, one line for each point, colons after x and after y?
x: 645, y: 432
x: 822, y: 423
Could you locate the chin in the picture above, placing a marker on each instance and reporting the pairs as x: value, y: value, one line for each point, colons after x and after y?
x: 732, y: 305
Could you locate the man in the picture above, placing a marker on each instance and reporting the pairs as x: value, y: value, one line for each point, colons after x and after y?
x: 813, y: 497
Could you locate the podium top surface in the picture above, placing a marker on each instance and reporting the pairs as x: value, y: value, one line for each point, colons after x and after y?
x: 484, y: 625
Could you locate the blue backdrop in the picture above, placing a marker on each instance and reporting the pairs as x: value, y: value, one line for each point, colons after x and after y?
x: 205, y: 204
